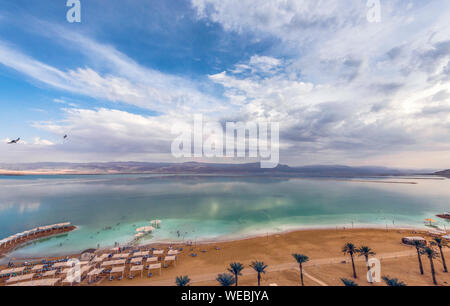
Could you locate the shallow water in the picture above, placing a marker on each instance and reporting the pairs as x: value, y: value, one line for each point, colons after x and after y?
x: 108, y: 208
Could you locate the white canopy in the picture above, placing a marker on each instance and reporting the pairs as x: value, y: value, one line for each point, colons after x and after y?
x: 41, y: 282
x: 95, y: 272
x: 121, y: 255
x: 37, y: 267
x: 13, y: 270
x: 61, y: 264
x: 118, y: 269
x: 170, y: 258
x: 113, y: 263
x: 20, y: 278
x: 136, y: 260
x: 142, y: 253
x: 136, y: 268
x: 49, y: 273
x: 145, y: 229
x: 154, y: 266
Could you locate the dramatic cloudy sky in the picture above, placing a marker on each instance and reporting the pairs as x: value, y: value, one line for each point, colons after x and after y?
x: 345, y: 90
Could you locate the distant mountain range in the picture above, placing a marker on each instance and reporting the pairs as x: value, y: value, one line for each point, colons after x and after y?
x: 199, y: 168
x: 445, y: 173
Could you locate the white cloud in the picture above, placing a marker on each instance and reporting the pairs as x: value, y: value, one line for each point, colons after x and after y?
x: 125, y: 81
x: 351, y: 91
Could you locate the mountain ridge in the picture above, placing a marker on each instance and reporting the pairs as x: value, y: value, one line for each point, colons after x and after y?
x: 132, y: 167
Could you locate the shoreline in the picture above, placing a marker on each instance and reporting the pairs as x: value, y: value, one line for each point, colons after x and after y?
x: 209, y: 242
x: 327, y: 265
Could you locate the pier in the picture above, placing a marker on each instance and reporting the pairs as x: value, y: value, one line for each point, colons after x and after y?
x: 10, y: 243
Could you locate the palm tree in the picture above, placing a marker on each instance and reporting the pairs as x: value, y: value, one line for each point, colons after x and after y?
x: 301, y: 259
x: 349, y: 248
x: 349, y: 282
x: 236, y: 268
x: 393, y: 282
x: 440, y: 243
x: 226, y: 279
x: 431, y: 255
x: 419, y: 248
x: 182, y: 281
x: 366, y: 252
x: 259, y: 267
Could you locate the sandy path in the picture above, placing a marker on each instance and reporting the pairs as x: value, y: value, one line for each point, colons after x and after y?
x: 287, y: 266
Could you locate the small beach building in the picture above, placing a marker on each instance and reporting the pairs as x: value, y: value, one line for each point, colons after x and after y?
x: 410, y: 240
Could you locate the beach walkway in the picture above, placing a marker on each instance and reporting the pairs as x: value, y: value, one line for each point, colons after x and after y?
x: 12, y: 242
x: 288, y: 266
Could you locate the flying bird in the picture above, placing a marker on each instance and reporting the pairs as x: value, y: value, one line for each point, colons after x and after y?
x: 14, y: 141
x: 65, y: 136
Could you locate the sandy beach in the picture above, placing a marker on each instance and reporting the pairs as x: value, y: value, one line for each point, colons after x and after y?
x: 323, y: 247
x: 326, y: 267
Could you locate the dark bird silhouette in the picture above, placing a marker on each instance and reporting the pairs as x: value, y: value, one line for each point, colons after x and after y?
x: 14, y: 141
x: 65, y: 136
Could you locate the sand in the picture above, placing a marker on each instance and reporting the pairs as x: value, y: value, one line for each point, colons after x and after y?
x: 323, y: 248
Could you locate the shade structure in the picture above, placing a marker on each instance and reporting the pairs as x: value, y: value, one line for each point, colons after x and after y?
x: 68, y: 270
x: 118, y: 270
x: 172, y: 252
x: 152, y: 259
x: 42, y: 282
x: 95, y: 272
x: 145, y: 229
x: 430, y: 221
x: 136, y: 260
x: 142, y: 253
x: 13, y: 270
x: 170, y: 258
x: 37, y: 267
x: 20, y: 278
x: 34, y: 231
x: 49, y: 273
x: 139, y: 268
x: 155, y: 266
x: 113, y: 263
x: 155, y: 222
x: 61, y: 264
x: 158, y: 252
x: 121, y: 255
x: 100, y: 258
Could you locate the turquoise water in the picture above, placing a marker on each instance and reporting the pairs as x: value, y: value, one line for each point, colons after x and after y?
x: 108, y: 209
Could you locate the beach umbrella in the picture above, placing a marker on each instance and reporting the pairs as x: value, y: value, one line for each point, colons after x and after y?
x: 430, y: 220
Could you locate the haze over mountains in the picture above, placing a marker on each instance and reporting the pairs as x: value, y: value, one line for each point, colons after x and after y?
x: 200, y: 168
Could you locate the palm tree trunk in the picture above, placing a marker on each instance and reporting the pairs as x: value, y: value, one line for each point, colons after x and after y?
x: 420, y: 261
x: 353, y: 266
x: 301, y: 274
x: 236, y: 276
x: 259, y: 279
x: 443, y: 260
x: 432, y: 271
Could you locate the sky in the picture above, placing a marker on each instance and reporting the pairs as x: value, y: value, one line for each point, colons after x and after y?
x: 344, y: 89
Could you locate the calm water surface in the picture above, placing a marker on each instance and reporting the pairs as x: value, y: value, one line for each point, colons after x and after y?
x: 108, y: 209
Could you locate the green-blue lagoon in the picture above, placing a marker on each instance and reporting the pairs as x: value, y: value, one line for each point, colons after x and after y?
x: 108, y: 208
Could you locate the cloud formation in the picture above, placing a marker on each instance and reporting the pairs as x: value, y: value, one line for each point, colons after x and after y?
x: 345, y: 90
